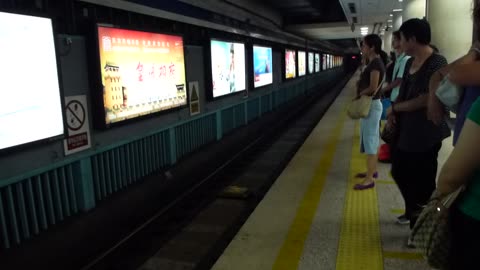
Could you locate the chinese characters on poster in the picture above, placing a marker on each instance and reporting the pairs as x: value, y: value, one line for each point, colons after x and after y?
x: 142, y: 72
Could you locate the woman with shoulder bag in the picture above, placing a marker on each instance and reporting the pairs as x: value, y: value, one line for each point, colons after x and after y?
x: 369, y: 83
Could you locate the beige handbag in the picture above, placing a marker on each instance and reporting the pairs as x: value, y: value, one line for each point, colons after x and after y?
x: 360, y: 108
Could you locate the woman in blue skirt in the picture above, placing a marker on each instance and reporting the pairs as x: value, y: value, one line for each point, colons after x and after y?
x: 370, y: 81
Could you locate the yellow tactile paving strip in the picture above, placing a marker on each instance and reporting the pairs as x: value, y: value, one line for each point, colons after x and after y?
x: 292, y: 249
x: 360, y: 245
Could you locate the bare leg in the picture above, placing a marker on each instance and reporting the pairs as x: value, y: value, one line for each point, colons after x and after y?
x: 371, y: 169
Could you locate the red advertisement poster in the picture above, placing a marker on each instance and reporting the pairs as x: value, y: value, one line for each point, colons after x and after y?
x: 142, y: 72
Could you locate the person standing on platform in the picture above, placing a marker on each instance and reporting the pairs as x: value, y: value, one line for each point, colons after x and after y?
x: 370, y: 81
x: 394, y: 88
x: 418, y: 140
x: 399, y: 68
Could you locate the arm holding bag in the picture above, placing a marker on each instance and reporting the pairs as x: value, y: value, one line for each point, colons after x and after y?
x: 449, y: 94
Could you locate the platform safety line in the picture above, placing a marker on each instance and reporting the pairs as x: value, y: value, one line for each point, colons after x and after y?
x: 397, y: 211
x: 385, y: 182
x: 292, y: 249
x: 402, y: 255
x: 360, y: 245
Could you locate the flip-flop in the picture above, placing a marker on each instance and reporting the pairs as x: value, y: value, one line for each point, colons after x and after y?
x: 363, y: 175
x: 363, y: 187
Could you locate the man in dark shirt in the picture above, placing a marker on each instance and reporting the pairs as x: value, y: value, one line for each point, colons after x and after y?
x: 414, y: 160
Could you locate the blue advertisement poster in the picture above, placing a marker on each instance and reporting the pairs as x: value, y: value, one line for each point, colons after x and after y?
x: 228, y: 67
x: 262, y: 66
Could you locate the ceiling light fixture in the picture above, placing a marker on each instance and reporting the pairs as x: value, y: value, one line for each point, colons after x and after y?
x: 391, y: 15
x: 397, y: 10
x: 364, y: 28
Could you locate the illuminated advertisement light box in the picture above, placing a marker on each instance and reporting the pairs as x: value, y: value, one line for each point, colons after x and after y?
x: 324, y: 62
x: 290, y: 64
x: 262, y: 66
x: 30, y: 106
x: 302, y: 63
x: 228, y: 67
x: 142, y: 73
x: 311, y: 61
x: 317, y: 62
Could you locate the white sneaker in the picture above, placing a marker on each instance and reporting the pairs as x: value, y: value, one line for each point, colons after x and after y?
x: 410, y: 243
x: 403, y: 220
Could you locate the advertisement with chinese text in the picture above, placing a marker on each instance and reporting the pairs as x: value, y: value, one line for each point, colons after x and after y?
x: 228, y: 67
x: 302, y: 64
x: 142, y: 73
x: 310, y: 62
x: 262, y: 66
x: 317, y: 62
x: 30, y: 103
x: 290, y: 64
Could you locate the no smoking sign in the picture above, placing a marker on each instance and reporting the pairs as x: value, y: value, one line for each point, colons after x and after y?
x: 76, y: 118
x: 76, y: 115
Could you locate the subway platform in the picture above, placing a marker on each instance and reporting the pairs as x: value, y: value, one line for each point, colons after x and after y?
x: 311, y: 218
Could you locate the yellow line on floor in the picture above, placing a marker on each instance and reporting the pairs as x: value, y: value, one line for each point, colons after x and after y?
x: 289, y: 255
x: 402, y: 255
x: 385, y: 182
x: 398, y: 211
x: 360, y: 245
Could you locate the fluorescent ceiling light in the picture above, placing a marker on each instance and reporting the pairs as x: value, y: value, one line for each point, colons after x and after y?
x: 363, y: 28
x: 400, y: 0
x: 391, y: 15
x: 364, y: 34
x: 397, y: 10
x: 390, y: 21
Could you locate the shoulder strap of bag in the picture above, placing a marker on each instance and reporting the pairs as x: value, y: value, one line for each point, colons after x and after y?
x: 379, y: 86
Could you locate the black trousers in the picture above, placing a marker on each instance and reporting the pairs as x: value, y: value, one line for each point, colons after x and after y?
x: 415, y: 175
x: 465, y: 239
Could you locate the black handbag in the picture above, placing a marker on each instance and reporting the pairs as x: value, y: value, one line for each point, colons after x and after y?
x: 389, y: 134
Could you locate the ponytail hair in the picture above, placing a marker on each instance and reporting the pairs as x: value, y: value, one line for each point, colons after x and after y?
x: 384, y: 57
